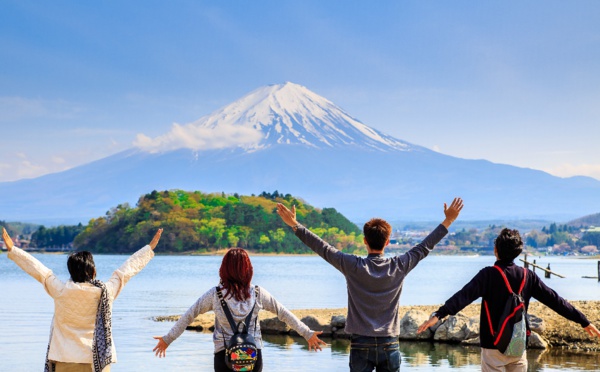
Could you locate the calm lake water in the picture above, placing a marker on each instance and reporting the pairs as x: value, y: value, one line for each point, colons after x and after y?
x: 170, y: 284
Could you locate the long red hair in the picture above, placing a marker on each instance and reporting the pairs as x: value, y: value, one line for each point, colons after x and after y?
x: 236, y: 273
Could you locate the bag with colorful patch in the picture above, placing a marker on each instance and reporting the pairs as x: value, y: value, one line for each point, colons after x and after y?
x: 241, y: 351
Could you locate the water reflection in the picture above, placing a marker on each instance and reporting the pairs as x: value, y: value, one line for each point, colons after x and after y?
x: 559, y: 359
x: 438, y: 354
x: 423, y: 356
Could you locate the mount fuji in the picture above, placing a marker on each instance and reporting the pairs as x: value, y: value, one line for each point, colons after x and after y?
x: 285, y: 137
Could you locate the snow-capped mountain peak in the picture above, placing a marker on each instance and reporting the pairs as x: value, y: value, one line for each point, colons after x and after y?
x: 276, y: 114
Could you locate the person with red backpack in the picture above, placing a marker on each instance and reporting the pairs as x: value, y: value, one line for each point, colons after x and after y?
x: 506, y: 289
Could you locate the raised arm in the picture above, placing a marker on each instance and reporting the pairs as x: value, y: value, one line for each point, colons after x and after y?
x: 132, y: 266
x: 8, y: 243
x: 336, y: 258
x: 452, y: 212
x: 269, y: 303
x: 201, y: 306
x: 33, y: 267
x: 410, y: 259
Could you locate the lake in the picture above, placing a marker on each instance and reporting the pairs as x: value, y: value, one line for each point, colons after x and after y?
x: 170, y: 284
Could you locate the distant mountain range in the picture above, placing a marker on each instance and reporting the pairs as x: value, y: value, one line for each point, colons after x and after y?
x: 285, y: 137
x: 586, y: 221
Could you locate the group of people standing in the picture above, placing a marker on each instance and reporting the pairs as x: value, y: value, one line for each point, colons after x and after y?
x: 81, y: 338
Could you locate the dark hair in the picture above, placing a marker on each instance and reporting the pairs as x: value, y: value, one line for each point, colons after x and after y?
x: 508, y: 244
x: 377, y: 232
x: 236, y: 273
x: 81, y: 267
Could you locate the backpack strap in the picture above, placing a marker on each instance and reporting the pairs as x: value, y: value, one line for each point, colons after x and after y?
x: 256, y: 292
x: 508, y: 284
x: 226, y: 309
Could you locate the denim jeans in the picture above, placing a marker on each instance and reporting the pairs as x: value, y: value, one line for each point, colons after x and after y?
x: 379, y: 353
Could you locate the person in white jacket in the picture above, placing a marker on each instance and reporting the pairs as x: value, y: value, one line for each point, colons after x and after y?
x: 80, y: 335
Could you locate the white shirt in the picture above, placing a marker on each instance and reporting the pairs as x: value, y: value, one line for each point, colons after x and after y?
x: 76, y: 304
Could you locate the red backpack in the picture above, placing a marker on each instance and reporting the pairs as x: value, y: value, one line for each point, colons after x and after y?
x: 510, y: 334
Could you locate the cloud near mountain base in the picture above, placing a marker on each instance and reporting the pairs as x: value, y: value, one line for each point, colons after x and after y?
x: 199, y: 138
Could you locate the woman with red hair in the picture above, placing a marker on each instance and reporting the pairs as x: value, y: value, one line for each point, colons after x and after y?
x: 242, y: 300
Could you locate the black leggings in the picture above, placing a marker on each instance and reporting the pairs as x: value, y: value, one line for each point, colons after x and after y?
x: 220, y: 365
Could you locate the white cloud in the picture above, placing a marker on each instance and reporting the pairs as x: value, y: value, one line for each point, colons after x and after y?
x: 21, y: 165
x: 436, y: 148
x: 569, y: 170
x: 199, y: 138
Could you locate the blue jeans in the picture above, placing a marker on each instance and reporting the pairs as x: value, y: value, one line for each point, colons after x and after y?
x: 379, y: 353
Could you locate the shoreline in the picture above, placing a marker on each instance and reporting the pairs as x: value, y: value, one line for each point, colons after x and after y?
x: 552, y: 331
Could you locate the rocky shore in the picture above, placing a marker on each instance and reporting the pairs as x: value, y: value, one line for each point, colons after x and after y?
x: 549, y: 330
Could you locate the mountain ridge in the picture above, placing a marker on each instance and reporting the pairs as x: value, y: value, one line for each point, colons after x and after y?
x: 349, y: 171
x: 281, y: 114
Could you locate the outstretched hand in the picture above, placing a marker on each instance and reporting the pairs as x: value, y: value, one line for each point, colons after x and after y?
x: 156, y: 238
x: 314, y: 343
x: 160, y: 350
x: 8, y: 243
x: 429, y: 323
x: 452, y: 212
x: 592, y: 330
x: 288, y: 216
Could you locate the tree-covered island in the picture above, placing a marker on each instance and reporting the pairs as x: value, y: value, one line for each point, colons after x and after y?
x: 206, y: 222
x: 197, y: 222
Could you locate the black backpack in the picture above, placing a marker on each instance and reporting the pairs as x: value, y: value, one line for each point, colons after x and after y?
x: 241, y: 352
x: 511, y: 331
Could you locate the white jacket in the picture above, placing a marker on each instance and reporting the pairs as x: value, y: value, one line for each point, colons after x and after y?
x: 76, y: 304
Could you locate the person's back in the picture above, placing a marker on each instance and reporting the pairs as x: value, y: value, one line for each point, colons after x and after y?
x: 76, y: 306
x: 374, y: 282
x: 374, y: 286
x: 81, y: 327
x: 490, y: 285
x: 374, y: 289
x: 234, y: 302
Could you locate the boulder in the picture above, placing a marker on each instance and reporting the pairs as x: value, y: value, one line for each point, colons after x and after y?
x: 338, y: 321
x: 340, y: 333
x: 315, y: 325
x: 536, y: 342
x: 475, y: 341
x: 203, y: 323
x: 409, y: 324
x: 457, y: 328
x: 273, y: 326
x: 536, y: 324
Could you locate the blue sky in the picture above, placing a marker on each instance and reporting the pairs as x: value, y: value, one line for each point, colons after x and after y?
x: 508, y: 81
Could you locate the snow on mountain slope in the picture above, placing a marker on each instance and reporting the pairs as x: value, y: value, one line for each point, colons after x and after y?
x: 275, y: 114
x: 286, y: 138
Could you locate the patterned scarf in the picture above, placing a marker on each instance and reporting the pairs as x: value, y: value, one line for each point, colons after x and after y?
x: 102, y: 343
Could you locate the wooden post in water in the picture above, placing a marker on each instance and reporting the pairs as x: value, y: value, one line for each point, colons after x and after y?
x: 547, y: 274
x: 599, y: 271
x: 526, y: 264
x: 534, y: 263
